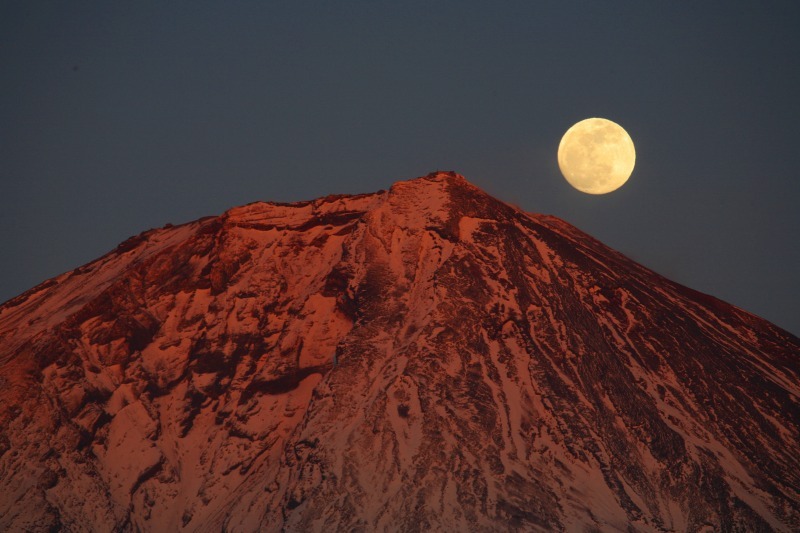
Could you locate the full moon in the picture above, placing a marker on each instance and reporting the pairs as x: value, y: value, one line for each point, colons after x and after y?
x: 596, y: 156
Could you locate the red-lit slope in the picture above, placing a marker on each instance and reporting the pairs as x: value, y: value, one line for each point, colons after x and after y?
x: 496, y: 370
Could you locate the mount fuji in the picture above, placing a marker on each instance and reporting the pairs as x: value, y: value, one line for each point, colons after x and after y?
x: 426, y: 358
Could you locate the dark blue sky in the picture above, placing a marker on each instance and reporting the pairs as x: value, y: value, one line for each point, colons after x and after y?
x: 118, y: 117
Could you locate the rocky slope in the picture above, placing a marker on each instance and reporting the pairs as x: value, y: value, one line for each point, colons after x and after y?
x: 427, y: 358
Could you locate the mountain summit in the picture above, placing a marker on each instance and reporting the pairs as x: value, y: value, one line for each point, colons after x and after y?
x: 425, y: 358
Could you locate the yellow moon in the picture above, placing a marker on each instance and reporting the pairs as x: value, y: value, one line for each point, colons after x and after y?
x: 596, y: 156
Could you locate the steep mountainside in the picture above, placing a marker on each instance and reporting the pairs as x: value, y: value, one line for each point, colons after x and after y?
x: 427, y: 358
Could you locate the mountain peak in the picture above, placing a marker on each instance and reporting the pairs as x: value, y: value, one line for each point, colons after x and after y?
x: 426, y: 357
x: 428, y: 194
x: 436, y: 189
x: 438, y: 176
x: 448, y: 181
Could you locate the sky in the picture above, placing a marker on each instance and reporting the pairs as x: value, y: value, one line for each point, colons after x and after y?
x: 117, y: 117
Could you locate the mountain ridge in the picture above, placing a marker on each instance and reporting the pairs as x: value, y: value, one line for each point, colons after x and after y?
x: 426, y: 357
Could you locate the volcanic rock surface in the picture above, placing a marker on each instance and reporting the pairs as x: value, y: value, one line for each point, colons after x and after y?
x: 427, y: 358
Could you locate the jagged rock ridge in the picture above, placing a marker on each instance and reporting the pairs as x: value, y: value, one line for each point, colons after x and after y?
x: 427, y: 358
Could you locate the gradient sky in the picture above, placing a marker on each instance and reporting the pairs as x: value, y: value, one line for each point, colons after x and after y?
x: 116, y: 117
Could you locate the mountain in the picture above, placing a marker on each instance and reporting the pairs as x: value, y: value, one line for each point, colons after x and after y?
x: 427, y: 358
